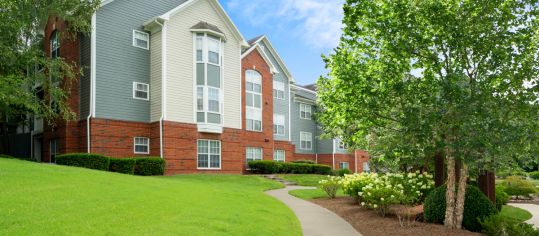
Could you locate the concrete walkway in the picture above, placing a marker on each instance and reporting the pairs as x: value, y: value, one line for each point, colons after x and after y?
x: 532, y: 208
x: 315, y: 220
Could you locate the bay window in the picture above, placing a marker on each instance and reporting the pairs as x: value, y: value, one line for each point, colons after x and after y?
x: 209, y: 97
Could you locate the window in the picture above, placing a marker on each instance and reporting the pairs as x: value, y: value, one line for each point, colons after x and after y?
x: 141, y: 91
x: 54, y: 150
x: 254, y: 154
x: 366, y: 167
x: 279, y: 155
x: 343, y: 165
x: 342, y: 145
x: 305, y: 111
x: 278, y: 124
x: 142, y: 145
x: 141, y: 39
x: 55, y: 45
x: 209, y: 154
x: 209, y: 99
x: 278, y: 89
x: 306, y: 141
x: 253, y: 100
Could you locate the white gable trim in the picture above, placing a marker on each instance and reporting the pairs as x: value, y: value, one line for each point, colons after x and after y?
x: 295, y: 87
x: 273, y: 69
x: 220, y: 10
x: 277, y: 57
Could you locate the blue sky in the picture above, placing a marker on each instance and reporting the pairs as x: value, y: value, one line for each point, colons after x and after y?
x: 300, y: 30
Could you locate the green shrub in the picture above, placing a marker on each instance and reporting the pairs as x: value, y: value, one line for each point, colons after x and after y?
x: 534, y: 175
x: 476, y: 207
x: 497, y: 225
x: 343, y: 172
x: 149, y: 166
x: 501, y: 197
x: 265, y: 167
x: 330, y: 185
x: 122, y: 165
x: 321, y: 169
x: 304, y: 161
x: 506, y: 173
x: 86, y: 160
x: 299, y: 168
x: 379, y: 195
x: 517, y: 186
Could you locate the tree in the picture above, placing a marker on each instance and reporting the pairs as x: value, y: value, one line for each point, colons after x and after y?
x: 457, y: 77
x: 24, y: 64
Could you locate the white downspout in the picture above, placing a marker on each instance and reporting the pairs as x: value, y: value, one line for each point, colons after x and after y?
x: 333, y: 154
x: 91, y: 111
x: 163, y: 83
x: 355, y: 160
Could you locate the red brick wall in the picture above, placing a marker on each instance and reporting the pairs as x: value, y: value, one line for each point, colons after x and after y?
x: 362, y: 156
x: 288, y: 147
x: 68, y: 134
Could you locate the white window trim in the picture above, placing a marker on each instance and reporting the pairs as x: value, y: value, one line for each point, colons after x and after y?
x: 283, y: 125
x: 284, y: 88
x: 305, y: 110
x: 279, y: 150
x: 135, y: 145
x: 342, y: 145
x: 253, y: 107
x: 134, y: 41
x: 261, y: 153
x: 209, y: 153
x: 135, y: 91
x: 301, y: 133
x: 206, y: 126
x: 341, y: 165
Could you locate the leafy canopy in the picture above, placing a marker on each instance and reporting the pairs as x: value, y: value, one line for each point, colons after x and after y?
x: 412, y: 77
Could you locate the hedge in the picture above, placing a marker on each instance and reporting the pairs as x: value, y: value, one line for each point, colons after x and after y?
x: 273, y: 167
x: 86, y: 160
x: 304, y: 161
x: 501, y: 197
x: 149, y: 166
x: 477, y: 207
x: 534, y: 175
x: 122, y: 165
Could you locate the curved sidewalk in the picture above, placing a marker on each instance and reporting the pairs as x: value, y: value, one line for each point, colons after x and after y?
x: 532, y: 208
x: 315, y: 220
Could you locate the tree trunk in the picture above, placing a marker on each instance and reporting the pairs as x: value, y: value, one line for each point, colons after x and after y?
x: 450, y: 193
x: 459, y: 208
x: 439, y: 169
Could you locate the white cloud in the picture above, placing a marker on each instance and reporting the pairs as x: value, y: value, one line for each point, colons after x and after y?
x: 317, y: 22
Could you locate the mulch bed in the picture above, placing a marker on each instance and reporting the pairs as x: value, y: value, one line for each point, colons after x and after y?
x: 368, y: 223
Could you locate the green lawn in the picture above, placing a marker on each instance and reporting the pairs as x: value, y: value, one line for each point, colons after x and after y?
x: 304, y: 179
x: 58, y: 200
x: 309, y: 194
x: 515, y: 213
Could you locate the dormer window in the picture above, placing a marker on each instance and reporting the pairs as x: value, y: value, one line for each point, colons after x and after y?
x: 208, y: 63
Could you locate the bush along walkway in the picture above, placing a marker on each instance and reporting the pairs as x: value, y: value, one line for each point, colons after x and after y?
x: 315, y: 220
x: 532, y: 208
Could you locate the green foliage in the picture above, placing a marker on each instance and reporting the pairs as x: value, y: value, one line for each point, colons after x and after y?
x: 343, y: 172
x: 122, y: 165
x: 149, y: 166
x: 379, y: 195
x: 534, y: 174
x: 501, y: 197
x: 510, y: 172
x: 498, y: 225
x: 86, y: 160
x: 304, y: 161
x: 273, y: 167
x: 518, y: 186
x: 476, y: 207
x: 330, y: 185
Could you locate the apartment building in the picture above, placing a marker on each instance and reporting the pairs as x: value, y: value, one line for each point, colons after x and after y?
x: 177, y: 79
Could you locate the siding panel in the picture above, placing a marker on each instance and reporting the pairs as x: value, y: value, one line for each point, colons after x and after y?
x: 155, y: 76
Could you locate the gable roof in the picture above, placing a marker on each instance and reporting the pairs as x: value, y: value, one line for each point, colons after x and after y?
x: 264, y: 38
x: 273, y: 69
x: 220, y: 10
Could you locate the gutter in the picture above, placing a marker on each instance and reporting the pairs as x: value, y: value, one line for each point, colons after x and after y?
x: 91, y: 111
x: 355, y: 160
x: 333, y: 154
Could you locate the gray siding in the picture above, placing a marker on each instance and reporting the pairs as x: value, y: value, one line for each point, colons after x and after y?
x: 85, y: 58
x: 280, y: 106
x: 119, y: 64
x: 299, y: 125
x: 325, y: 146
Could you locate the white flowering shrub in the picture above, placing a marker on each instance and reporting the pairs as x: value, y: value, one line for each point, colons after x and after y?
x: 352, y: 184
x: 379, y: 195
x: 414, y: 186
x: 331, y: 185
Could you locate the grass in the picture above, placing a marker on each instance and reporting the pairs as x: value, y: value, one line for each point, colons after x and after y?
x: 304, y: 179
x: 515, y: 213
x: 309, y: 194
x: 59, y: 200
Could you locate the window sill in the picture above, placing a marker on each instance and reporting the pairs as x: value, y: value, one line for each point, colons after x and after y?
x: 210, y: 128
x: 257, y: 131
x: 208, y: 168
